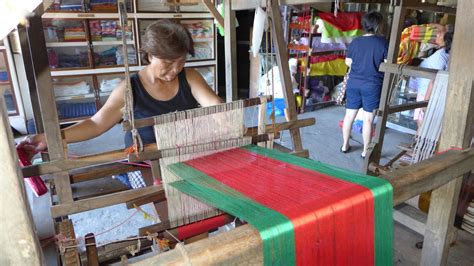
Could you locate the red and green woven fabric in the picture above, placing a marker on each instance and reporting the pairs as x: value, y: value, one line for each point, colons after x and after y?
x: 307, y: 212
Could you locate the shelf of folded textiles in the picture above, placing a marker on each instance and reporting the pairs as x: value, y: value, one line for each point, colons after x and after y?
x: 298, y: 47
x: 75, y: 97
x: 66, y: 44
x: 98, y: 43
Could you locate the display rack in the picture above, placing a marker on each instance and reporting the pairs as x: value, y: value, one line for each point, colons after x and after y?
x: 85, y: 49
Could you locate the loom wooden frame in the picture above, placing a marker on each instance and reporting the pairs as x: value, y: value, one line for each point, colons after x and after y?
x: 40, y: 86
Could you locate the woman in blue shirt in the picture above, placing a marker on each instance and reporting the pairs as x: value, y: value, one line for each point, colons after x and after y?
x: 364, y: 85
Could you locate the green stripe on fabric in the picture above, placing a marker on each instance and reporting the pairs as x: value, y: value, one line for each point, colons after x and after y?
x: 276, y: 231
x: 382, y: 192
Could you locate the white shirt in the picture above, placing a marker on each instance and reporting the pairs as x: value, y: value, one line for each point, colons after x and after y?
x: 439, y: 61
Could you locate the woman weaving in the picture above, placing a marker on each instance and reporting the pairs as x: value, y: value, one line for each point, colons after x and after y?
x: 161, y: 87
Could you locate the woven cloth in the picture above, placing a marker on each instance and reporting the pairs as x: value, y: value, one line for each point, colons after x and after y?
x: 307, y: 213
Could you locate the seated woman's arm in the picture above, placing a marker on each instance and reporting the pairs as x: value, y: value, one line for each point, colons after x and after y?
x: 200, y: 89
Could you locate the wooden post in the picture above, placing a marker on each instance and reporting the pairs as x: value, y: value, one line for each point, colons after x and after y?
x: 20, y: 244
x: 47, y: 101
x: 214, y: 12
x: 91, y: 250
x: 458, y: 119
x: 230, y: 52
x: 284, y: 69
x: 397, y: 25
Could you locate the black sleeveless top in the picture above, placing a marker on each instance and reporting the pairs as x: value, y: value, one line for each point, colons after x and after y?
x: 144, y: 105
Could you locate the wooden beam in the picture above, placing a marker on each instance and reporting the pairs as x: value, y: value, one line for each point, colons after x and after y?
x: 47, y: 102
x: 246, y: 5
x: 230, y: 44
x: 244, y: 246
x: 91, y: 250
x: 456, y: 132
x: 70, y: 256
x: 241, y: 246
x: 432, y: 8
x: 406, y: 106
x: 212, y: 8
x: 412, y: 180
x: 69, y: 164
x: 20, y: 243
x: 152, y: 153
x: 284, y: 70
x: 102, y: 201
x: 411, y: 71
x: 153, y: 197
x: 115, y: 250
x: 95, y: 172
x: 150, y: 121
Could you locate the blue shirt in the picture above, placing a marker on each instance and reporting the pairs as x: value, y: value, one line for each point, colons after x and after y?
x: 367, y: 52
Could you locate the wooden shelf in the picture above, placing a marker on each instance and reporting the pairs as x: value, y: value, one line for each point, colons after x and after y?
x: 103, y: 43
x: 66, y: 44
x: 203, y: 40
x: 75, y: 97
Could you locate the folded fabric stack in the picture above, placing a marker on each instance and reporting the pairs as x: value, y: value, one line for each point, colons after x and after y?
x: 71, y: 88
x: 74, y: 34
x: 70, y: 5
x: 103, y: 5
x: 108, y: 85
x: 468, y: 221
x: 73, y: 110
x: 52, y: 58
x: 106, y: 58
x: 78, y: 59
x: 95, y: 30
x: 341, y: 29
x: 411, y: 39
x: 132, y: 55
x: 108, y: 30
x: 199, y: 30
x: 328, y: 65
x: 128, y: 33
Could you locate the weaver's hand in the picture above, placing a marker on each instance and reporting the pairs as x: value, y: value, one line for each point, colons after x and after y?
x: 34, y: 144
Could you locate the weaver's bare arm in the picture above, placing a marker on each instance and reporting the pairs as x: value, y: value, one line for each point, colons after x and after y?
x: 200, y: 89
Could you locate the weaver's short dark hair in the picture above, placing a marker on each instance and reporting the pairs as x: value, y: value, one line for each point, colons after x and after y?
x: 371, y: 21
x: 166, y: 39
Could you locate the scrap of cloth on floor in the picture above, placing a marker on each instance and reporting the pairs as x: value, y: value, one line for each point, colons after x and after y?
x: 306, y: 212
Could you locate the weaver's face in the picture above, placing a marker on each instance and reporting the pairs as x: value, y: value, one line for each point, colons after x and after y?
x: 165, y: 69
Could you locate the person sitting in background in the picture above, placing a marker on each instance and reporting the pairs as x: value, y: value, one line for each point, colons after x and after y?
x: 364, y: 85
x: 439, y: 61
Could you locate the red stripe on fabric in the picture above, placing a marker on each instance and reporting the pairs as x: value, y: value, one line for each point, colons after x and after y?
x: 343, y: 21
x: 203, y: 226
x: 326, y: 58
x: 333, y: 219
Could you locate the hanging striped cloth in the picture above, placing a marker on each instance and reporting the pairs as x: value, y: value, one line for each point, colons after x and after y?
x: 307, y: 213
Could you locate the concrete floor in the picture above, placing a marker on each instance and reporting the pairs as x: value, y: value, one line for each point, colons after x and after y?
x: 323, y: 140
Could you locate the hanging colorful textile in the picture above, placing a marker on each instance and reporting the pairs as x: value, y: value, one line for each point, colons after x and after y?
x: 332, y: 34
x: 307, y: 213
x: 332, y: 64
x: 343, y: 21
x: 411, y: 39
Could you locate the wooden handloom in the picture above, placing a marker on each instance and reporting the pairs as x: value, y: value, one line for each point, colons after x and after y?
x: 411, y: 181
